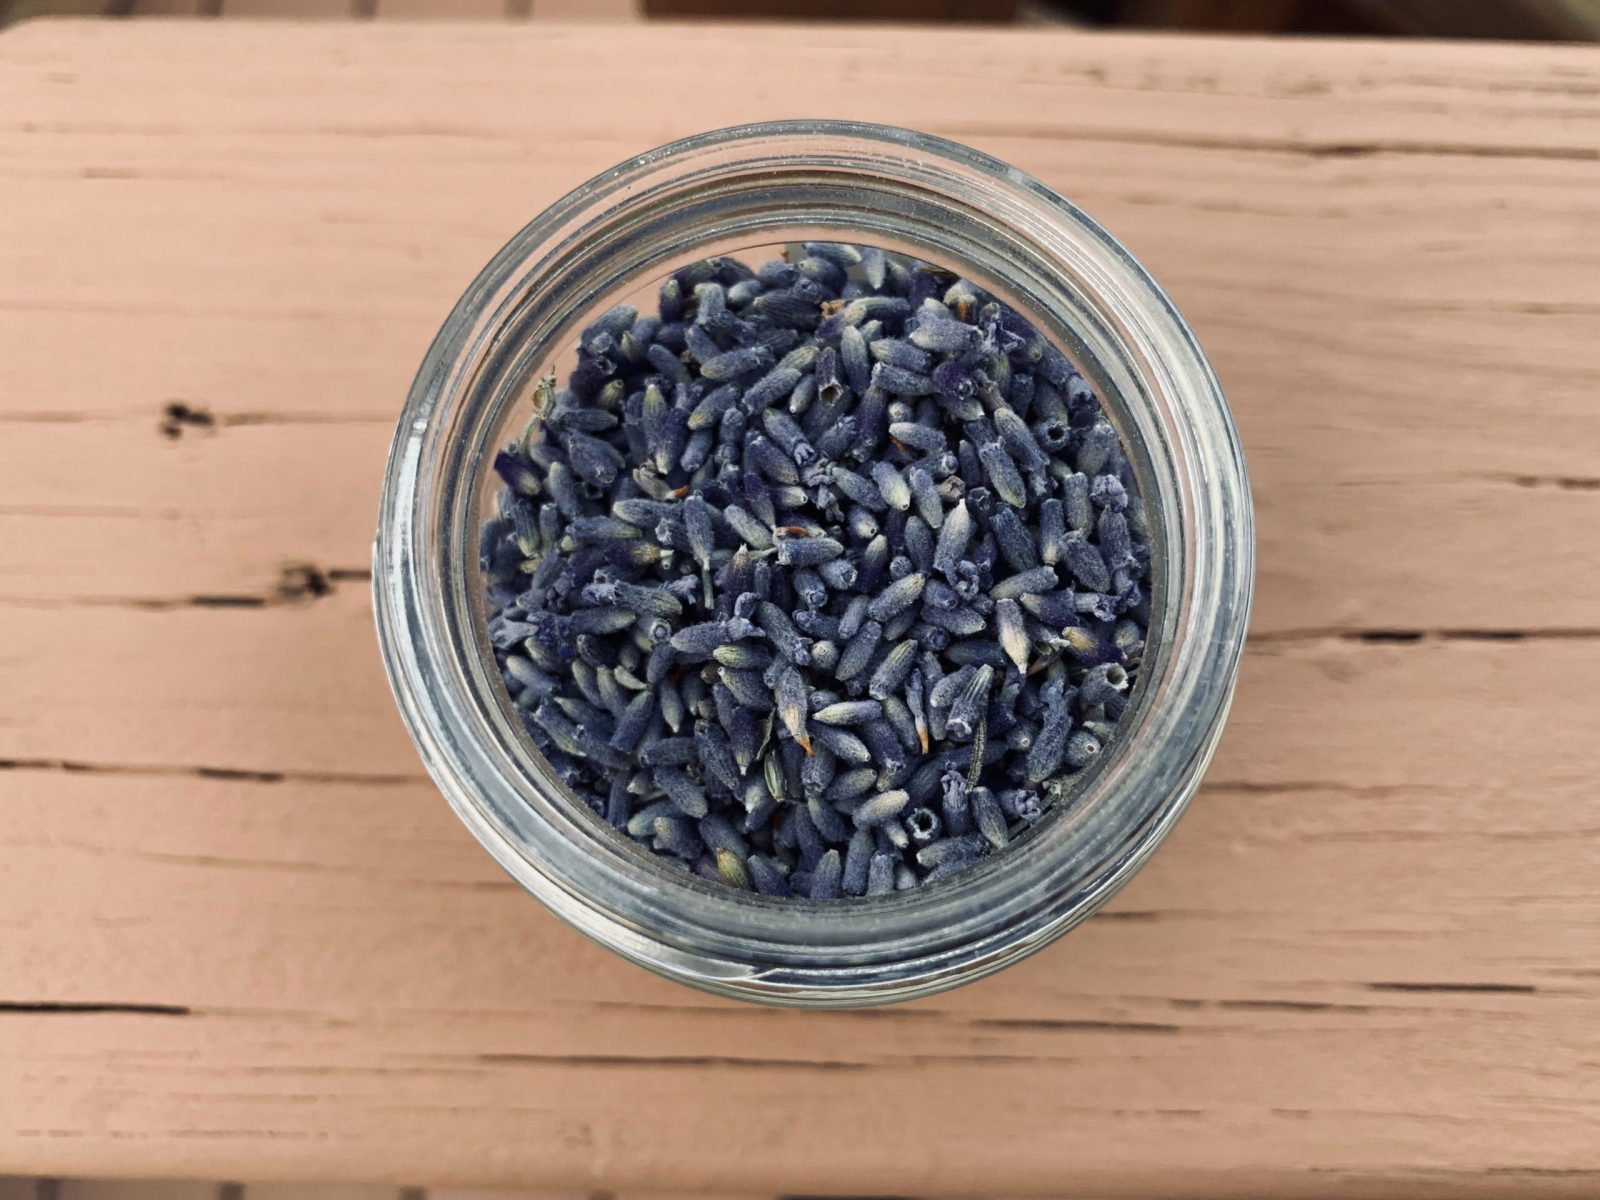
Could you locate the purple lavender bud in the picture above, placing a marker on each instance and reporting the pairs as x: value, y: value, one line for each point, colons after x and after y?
x: 976, y: 652
x: 1085, y: 562
x: 881, y: 875
x: 807, y: 551
x: 892, y: 486
x: 742, y: 360
x: 702, y: 537
x: 1038, y: 580
x: 898, y: 596
x: 1098, y: 605
x: 1012, y: 633
x: 848, y: 712
x: 851, y: 785
x: 696, y: 450
x: 1096, y: 449
x: 716, y: 757
x: 972, y: 701
x: 1019, y: 440
x: 1103, y: 683
x: 897, y: 352
x: 748, y: 688
x: 696, y: 642
x: 794, y: 307
x: 953, y: 803
x: 898, y: 381
x: 790, y: 694
x: 942, y: 335
x: 1002, y: 474
x: 860, y: 523
x: 685, y: 795
x: 961, y: 621
x: 667, y: 363
x: 964, y: 849
x: 1021, y: 804
x: 923, y: 825
x: 838, y: 438
x: 1012, y: 539
x: 762, y: 456
x: 857, y: 864
x: 777, y: 273
x: 1116, y: 545
x: 1049, y: 744
x: 1082, y: 749
x: 919, y: 544
x: 770, y: 388
x: 854, y: 487
x: 858, y: 651
x: 838, y: 573
x: 854, y: 359
x: 517, y: 473
x: 699, y: 344
x: 833, y: 827
x: 918, y: 436
x: 871, y: 415
x: 987, y: 817
x: 807, y: 839
x: 825, y: 877
x: 775, y: 623
x: 882, y: 808
x: 1107, y: 491
x: 953, y: 537
x: 765, y: 876
x: 926, y: 498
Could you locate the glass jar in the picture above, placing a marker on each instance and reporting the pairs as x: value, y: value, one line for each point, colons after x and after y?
x: 613, y: 240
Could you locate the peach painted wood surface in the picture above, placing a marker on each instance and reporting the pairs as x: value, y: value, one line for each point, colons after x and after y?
x: 240, y: 934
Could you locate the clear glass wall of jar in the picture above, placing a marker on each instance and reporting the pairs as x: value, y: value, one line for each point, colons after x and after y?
x: 729, y: 192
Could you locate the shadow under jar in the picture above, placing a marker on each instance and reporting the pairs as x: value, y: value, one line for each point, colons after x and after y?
x: 742, y: 192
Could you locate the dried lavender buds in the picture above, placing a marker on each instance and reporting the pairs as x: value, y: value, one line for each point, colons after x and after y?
x: 824, y: 580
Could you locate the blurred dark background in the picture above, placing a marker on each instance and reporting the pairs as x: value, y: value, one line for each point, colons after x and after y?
x: 1546, y: 20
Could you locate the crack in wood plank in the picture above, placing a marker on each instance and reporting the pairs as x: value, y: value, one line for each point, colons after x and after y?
x: 1566, y: 633
x: 670, y: 1061
x: 1308, y: 149
x: 97, y: 1007
x: 1047, y: 1024
x: 180, y: 416
x: 225, y: 774
x: 297, y: 584
x: 1567, y: 483
x: 1489, y: 989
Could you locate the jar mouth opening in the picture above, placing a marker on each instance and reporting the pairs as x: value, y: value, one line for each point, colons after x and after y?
x: 727, y: 191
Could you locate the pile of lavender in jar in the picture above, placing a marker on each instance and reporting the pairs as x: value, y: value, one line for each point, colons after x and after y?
x: 823, y: 581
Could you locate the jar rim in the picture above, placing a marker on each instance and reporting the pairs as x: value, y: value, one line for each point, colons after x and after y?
x: 864, y: 950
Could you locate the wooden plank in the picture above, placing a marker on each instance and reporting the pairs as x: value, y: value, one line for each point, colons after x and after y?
x: 319, y: 1191
x: 171, y: 8
x: 441, y: 10
x: 152, y: 1189
x: 243, y: 935
x: 833, y: 10
x: 590, y: 11
x: 289, y: 10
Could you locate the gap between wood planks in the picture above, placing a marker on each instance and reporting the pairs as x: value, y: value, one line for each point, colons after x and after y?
x: 297, y: 583
x: 54, y: 1008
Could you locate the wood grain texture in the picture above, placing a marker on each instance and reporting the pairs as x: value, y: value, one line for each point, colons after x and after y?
x: 240, y: 935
